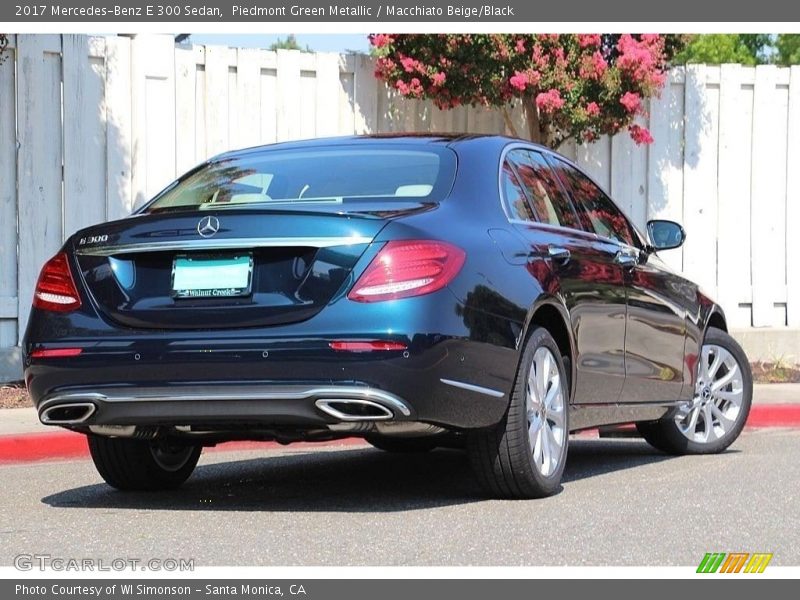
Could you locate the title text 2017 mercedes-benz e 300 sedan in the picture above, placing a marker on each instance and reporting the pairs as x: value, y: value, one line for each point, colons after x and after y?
x: 416, y: 291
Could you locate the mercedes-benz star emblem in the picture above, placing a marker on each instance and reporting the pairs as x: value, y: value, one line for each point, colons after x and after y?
x: 208, y: 226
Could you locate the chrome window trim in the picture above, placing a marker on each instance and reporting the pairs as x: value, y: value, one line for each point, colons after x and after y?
x: 547, y: 152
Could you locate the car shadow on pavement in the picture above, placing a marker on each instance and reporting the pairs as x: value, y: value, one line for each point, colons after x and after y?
x: 353, y: 480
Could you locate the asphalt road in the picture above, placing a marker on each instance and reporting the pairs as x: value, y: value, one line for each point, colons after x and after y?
x: 621, y: 504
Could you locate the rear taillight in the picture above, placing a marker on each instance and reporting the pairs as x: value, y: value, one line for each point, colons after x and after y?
x: 408, y: 268
x: 56, y: 289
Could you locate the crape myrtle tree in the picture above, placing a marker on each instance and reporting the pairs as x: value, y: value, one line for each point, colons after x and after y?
x: 570, y: 86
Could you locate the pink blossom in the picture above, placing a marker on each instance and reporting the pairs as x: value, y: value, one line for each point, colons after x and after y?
x: 592, y: 109
x: 640, y: 59
x: 549, y: 101
x: 409, y: 64
x: 640, y: 134
x: 379, y: 40
x: 599, y: 63
x: 631, y: 101
x: 438, y: 79
x: 519, y: 81
x: 588, y: 39
x: 520, y: 46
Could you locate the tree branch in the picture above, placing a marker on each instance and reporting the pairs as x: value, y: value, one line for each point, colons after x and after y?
x: 509, y: 123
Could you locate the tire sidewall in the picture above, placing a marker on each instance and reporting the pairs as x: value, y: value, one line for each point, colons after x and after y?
x: 687, y: 446
x: 517, y: 415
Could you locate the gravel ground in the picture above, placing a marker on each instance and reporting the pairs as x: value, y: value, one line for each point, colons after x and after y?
x: 13, y: 395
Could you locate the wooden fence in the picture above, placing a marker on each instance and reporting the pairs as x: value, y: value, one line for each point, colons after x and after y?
x: 91, y: 127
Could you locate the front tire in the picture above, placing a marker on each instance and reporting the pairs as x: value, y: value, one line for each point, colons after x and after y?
x: 717, y: 414
x: 524, y: 455
x: 139, y: 465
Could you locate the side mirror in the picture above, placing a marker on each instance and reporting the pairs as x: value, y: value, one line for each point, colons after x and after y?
x: 665, y: 235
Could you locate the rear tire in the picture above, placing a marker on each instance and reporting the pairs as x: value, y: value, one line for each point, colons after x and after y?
x: 717, y: 414
x: 129, y: 464
x: 403, y: 445
x: 524, y: 455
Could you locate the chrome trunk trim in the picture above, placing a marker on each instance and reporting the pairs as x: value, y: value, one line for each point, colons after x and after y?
x: 222, y: 244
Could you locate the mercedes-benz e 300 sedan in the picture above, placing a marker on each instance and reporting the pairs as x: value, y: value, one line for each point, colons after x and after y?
x: 416, y: 291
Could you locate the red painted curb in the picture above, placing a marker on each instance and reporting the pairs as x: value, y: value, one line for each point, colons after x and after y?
x: 60, y: 445
x: 774, y: 415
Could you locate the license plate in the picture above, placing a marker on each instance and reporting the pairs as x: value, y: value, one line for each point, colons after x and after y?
x: 212, y: 277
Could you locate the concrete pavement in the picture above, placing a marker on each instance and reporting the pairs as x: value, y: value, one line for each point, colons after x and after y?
x: 622, y: 503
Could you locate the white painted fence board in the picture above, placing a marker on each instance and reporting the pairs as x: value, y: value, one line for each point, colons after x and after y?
x: 119, y: 201
x: 216, y: 100
x: 665, y: 169
x: 366, y: 87
x: 8, y: 202
x: 629, y: 178
x: 793, y: 203
x: 186, y: 109
x: 9, y: 306
x: 308, y: 104
x: 288, y: 91
x: 347, y: 101
x: 248, y: 97
x: 593, y: 159
x: 700, y: 179
x: 84, y: 135
x: 733, y: 218
x: 768, y: 197
x: 269, y: 106
x: 327, y: 98
x: 39, y: 160
x: 153, y: 110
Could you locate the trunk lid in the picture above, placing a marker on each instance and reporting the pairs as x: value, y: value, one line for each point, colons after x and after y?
x: 224, y: 268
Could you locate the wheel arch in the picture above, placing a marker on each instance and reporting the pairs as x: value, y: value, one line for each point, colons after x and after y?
x: 551, y: 314
x: 716, y: 318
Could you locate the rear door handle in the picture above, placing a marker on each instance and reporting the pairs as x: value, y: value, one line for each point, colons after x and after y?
x: 558, y: 254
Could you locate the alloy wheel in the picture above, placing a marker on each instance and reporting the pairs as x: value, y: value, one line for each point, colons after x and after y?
x: 545, y: 409
x: 718, y: 397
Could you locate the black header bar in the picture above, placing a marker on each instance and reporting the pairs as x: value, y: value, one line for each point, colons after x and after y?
x: 406, y: 11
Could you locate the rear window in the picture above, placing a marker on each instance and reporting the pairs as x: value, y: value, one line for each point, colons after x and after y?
x: 327, y: 175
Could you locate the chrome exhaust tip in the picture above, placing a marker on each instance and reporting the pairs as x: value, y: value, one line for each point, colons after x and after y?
x: 67, y: 414
x: 352, y: 409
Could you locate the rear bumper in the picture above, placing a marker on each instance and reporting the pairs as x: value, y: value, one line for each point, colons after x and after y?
x: 453, y: 383
x: 456, y: 371
x: 228, y: 404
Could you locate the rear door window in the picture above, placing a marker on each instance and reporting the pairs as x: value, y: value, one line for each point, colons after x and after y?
x: 514, y: 196
x: 550, y: 203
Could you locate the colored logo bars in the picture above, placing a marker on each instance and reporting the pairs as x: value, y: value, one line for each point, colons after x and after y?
x: 734, y: 562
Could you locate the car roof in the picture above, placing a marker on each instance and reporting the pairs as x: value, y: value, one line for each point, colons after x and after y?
x: 445, y: 139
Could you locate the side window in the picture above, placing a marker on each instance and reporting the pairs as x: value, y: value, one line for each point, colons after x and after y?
x: 541, y: 184
x: 598, y: 211
x: 514, y: 197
